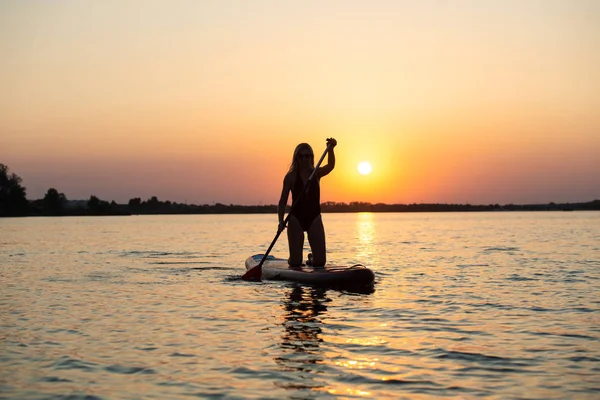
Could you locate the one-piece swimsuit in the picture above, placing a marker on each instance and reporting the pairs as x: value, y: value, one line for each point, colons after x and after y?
x: 309, y: 206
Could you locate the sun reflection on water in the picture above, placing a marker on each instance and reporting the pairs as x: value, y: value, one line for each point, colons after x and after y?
x: 349, y: 392
x: 358, y: 364
x: 369, y: 341
x: 365, y: 232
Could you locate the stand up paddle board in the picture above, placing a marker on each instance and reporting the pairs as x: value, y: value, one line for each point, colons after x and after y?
x: 346, y: 276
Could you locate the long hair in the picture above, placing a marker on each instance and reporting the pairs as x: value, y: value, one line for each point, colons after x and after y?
x: 297, y: 150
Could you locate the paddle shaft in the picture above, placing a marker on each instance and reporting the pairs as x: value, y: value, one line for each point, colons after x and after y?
x: 310, y: 179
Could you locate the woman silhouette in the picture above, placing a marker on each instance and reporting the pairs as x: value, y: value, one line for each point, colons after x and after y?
x: 306, y: 215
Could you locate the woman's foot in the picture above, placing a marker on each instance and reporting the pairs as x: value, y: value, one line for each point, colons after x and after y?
x: 310, y: 259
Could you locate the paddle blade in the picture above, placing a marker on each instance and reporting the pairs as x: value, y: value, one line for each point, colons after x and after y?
x: 253, y: 274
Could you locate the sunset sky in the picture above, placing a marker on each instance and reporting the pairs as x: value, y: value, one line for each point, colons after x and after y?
x: 204, y: 101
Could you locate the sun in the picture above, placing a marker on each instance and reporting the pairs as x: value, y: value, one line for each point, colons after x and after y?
x: 364, y: 168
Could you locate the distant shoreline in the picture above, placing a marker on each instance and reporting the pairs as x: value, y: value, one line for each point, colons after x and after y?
x: 14, y: 203
x: 155, y: 207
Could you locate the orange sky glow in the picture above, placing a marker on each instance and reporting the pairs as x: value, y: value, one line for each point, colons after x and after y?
x: 204, y: 101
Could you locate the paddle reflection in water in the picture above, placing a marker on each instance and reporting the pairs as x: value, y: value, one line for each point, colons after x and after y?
x: 302, y: 356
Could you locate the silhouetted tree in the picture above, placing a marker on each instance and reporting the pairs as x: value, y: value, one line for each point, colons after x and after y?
x: 54, y: 202
x: 13, y: 200
x: 97, y: 206
x: 93, y: 202
x: 153, y: 203
x: 135, y: 205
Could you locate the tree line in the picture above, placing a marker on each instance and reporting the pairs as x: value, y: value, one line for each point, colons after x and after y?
x: 14, y: 202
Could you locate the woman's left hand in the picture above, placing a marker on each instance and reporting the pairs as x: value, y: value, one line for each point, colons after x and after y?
x: 332, y: 142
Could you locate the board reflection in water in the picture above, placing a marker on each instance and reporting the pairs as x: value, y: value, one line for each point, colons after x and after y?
x: 302, y: 355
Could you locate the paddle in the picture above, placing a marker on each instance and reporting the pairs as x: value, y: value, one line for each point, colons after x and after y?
x: 255, y: 273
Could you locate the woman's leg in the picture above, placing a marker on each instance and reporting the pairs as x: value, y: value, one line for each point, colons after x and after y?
x: 295, y: 241
x: 316, y: 238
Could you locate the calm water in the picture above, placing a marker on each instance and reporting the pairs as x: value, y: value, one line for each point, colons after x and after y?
x: 468, y: 305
